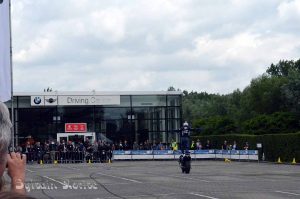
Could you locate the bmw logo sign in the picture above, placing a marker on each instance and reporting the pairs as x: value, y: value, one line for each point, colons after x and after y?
x: 37, y: 100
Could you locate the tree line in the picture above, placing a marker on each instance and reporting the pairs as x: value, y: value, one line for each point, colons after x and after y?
x: 269, y: 105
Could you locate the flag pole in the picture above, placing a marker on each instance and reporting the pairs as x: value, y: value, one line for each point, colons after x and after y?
x: 12, y: 87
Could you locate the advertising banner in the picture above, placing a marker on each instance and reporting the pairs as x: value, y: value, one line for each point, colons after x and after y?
x: 75, y: 100
x: 141, y: 152
x: 89, y: 100
x: 163, y: 152
x: 75, y: 127
x: 201, y: 152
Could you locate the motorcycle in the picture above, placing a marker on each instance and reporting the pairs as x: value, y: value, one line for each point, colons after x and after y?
x: 185, y: 162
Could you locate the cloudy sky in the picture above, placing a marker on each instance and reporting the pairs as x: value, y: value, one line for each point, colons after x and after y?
x: 141, y: 45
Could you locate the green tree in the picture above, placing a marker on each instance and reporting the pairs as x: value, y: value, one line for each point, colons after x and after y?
x: 264, y: 95
x: 291, y: 91
x: 283, y: 67
x: 171, y: 88
x: 280, y: 122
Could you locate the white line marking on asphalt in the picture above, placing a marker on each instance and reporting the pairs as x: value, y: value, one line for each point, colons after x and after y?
x: 204, y: 196
x: 30, y: 170
x: 119, y: 177
x: 181, y: 177
x: 55, y: 180
x: 190, y: 178
x: 284, y: 192
x: 148, y: 195
x: 77, y: 169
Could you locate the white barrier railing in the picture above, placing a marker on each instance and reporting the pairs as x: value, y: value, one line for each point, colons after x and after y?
x: 195, y: 154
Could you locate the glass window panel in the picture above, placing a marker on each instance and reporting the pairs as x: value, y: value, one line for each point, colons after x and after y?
x: 174, y: 100
x: 173, y: 112
x: 116, y: 130
x: 149, y: 100
x: 24, y: 102
x: 149, y: 112
x: 36, y: 114
x: 76, y: 114
x: 124, y: 101
x: 102, y: 113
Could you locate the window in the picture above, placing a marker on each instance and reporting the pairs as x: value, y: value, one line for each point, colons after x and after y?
x: 149, y: 100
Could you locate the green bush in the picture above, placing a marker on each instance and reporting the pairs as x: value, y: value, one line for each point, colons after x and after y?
x: 285, y: 146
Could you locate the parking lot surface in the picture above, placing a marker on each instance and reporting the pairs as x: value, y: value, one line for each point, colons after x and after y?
x: 163, y: 179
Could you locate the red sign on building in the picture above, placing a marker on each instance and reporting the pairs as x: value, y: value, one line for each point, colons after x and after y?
x: 75, y: 127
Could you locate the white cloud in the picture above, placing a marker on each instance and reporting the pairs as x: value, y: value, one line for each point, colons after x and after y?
x: 107, y: 25
x: 37, y: 49
x: 289, y: 10
x: 150, y: 45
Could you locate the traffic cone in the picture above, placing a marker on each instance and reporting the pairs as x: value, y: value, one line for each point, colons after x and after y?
x: 294, y: 161
x: 109, y: 161
x: 279, y: 161
x: 90, y: 161
x: 41, y: 161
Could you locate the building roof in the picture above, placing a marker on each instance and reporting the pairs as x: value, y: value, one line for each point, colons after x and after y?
x: 86, y: 93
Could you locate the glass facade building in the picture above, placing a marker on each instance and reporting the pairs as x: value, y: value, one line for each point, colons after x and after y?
x: 134, y: 116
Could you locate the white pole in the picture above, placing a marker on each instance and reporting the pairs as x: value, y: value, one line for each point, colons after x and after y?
x: 12, y: 87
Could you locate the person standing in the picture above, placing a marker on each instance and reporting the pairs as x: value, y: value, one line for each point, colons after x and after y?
x: 207, y: 145
x: 52, y: 149
x: 14, y: 162
x: 185, y: 136
x: 234, y: 146
x: 246, y: 147
x: 198, y: 145
x: 39, y: 152
x: 224, y: 146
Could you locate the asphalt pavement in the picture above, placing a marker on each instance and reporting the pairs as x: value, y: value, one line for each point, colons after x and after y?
x: 163, y: 179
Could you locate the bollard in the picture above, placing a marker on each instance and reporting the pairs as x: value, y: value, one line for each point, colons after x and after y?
x: 279, y: 161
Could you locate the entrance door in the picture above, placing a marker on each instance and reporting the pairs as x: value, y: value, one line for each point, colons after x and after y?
x: 78, y: 138
x: 60, y: 139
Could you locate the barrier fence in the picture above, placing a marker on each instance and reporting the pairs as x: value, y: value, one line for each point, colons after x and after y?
x: 69, y: 157
x: 105, y: 156
x: 195, y: 154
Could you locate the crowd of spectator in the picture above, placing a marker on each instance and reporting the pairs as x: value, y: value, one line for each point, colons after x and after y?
x: 52, y: 151
x: 225, y: 146
x: 233, y: 146
x: 67, y: 152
